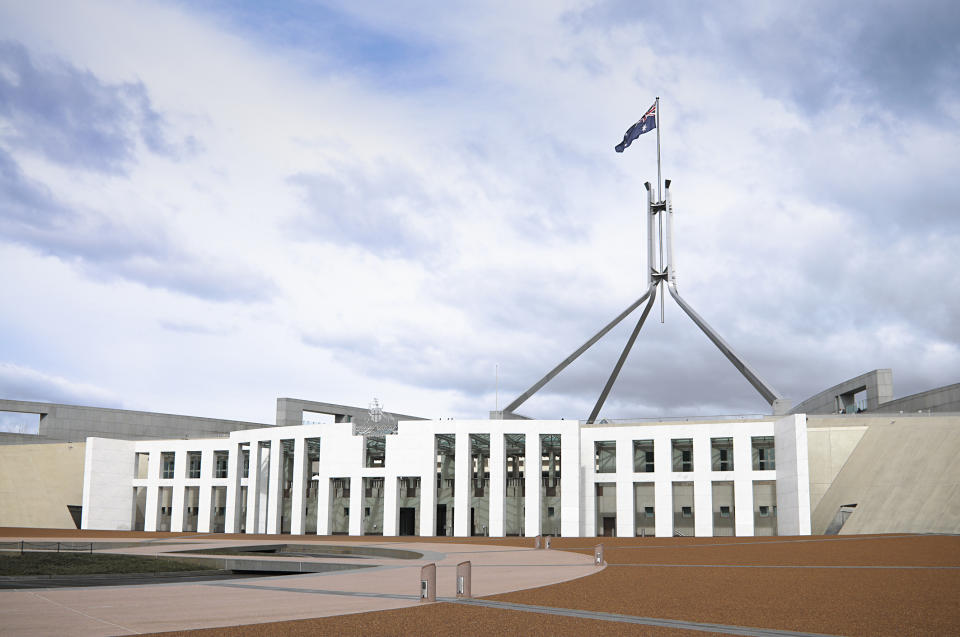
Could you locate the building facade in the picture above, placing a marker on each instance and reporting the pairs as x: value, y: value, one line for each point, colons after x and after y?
x: 461, y: 478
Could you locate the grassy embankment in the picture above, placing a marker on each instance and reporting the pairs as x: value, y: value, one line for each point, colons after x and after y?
x: 92, y: 564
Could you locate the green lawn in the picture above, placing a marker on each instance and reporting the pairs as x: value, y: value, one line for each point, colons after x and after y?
x: 90, y: 564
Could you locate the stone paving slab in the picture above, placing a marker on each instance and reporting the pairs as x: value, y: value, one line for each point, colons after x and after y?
x: 393, y: 583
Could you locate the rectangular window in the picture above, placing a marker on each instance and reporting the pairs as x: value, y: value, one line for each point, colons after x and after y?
x: 763, y: 451
x: 765, y: 507
x: 246, y: 463
x: 648, y: 511
x: 643, y: 456
x: 514, y: 449
x: 221, y: 458
x: 683, y: 454
x: 141, y: 464
x: 193, y: 464
x: 721, y: 454
x: 684, y: 512
x: 605, y: 456
x: 550, y: 483
x: 724, y: 522
x: 376, y: 451
x: 166, y: 465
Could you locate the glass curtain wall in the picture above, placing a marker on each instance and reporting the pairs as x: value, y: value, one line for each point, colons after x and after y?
x: 764, y: 507
x: 242, y: 524
x: 221, y: 460
x: 721, y: 454
x: 550, y: 484
x: 763, y: 452
x: 480, y: 476
x: 724, y: 520
x: 286, y: 480
x: 683, y: 513
x: 446, y: 446
x: 605, y: 456
x: 644, y: 509
x: 218, y: 509
x: 643, y: 456
x: 373, y: 506
x: 164, y: 508
x: 606, y: 509
x: 191, y: 508
x: 682, y: 454
x: 312, y: 493
x: 339, y: 506
x: 139, y: 507
x: 515, y: 449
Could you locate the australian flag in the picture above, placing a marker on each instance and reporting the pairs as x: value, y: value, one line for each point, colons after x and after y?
x: 647, y: 123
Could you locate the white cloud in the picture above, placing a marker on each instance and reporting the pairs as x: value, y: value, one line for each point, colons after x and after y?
x: 335, y: 234
x: 23, y: 383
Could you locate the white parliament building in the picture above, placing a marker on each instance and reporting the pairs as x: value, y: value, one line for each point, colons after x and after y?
x: 460, y: 478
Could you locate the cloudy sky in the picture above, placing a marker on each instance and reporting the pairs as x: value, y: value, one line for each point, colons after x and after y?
x: 207, y: 205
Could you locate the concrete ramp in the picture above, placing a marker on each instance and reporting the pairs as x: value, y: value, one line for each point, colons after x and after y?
x: 903, y: 476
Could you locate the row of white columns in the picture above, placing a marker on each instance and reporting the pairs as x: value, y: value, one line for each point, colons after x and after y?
x: 264, y: 485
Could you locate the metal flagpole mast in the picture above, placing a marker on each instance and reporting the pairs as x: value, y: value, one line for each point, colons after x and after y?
x: 656, y: 115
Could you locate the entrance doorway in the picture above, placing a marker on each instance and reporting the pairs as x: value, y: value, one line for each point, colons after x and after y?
x: 441, y: 520
x: 609, y: 526
x: 408, y: 516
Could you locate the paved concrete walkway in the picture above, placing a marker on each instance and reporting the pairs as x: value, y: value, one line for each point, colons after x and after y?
x: 391, y: 583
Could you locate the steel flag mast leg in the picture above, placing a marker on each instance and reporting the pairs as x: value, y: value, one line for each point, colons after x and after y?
x: 661, y: 271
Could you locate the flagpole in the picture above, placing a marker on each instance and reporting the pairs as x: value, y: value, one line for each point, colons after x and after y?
x: 659, y: 176
x: 656, y: 114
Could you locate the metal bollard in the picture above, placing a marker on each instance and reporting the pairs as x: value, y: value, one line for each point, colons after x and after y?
x: 598, y: 555
x: 464, y: 575
x: 428, y: 583
x: 546, y: 543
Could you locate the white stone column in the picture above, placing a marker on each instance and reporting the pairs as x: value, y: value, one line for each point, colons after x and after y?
x: 234, y: 469
x: 356, y: 505
x: 150, y: 513
x: 205, y: 491
x: 498, y: 483
x: 391, y: 514
x: 743, y: 485
x: 462, y: 485
x: 323, y: 503
x: 297, y: 500
x: 570, y: 483
x: 743, y: 507
x: 255, y: 478
x: 662, y: 485
x: 626, y: 526
x: 532, y: 501
x: 793, y: 475
x: 275, y: 487
x: 179, y: 473
x: 428, y: 497
x: 702, y: 486
x: 153, y: 492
